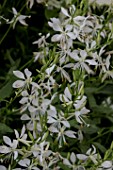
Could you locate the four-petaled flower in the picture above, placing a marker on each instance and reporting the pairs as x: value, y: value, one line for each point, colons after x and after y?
x: 18, y: 17
x: 26, y: 81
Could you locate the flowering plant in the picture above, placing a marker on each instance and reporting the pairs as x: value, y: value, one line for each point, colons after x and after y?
x: 59, y: 89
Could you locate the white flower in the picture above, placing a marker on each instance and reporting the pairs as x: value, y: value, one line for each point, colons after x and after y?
x: 23, y: 136
x: 66, y: 36
x: 72, y: 161
x: 34, y: 122
x: 28, y: 164
x: 66, y: 97
x: 49, y: 85
x: 106, y: 70
x: 68, y: 15
x: 41, y: 54
x: 108, y: 165
x: 42, y: 41
x: 11, y: 148
x: 56, y: 119
x: 64, y: 74
x: 26, y: 81
x: 29, y: 101
x: 41, y: 151
x: 80, y: 109
x: 84, y: 27
x: 61, y: 133
x: 82, y: 62
x: 18, y: 17
x: 90, y: 154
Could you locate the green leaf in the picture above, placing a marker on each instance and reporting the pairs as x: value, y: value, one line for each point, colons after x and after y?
x: 5, y: 129
x: 91, y: 129
x: 6, y: 90
x: 51, y: 14
x: 100, y: 147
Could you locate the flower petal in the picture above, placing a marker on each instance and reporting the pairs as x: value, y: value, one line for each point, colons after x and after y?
x: 16, y: 133
x: 4, y: 149
x: 2, y: 167
x: 70, y: 134
x: 66, y: 162
x: 81, y: 157
x: 53, y: 129
x: 73, y: 158
x: 14, y: 11
x: 67, y: 93
x: 7, y: 140
x: 107, y: 164
x: 56, y: 37
x: 19, y: 74
x: 23, y: 131
x: 18, y: 84
x: 15, y: 155
x: 66, y: 123
x: 25, y: 117
x: 23, y: 100
x: 64, y: 11
x: 27, y: 73
x: 25, y: 162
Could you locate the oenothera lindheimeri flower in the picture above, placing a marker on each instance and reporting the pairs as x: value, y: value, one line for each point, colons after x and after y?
x: 29, y: 100
x: 107, y: 165
x: 68, y: 14
x: 80, y: 109
x: 43, y: 48
x: 34, y: 123
x: 42, y: 153
x: 41, y: 54
x: 66, y: 97
x: 18, y: 17
x: 22, y: 137
x: 66, y: 35
x: 72, y: 162
x: 26, y: 79
x: 64, y: 74
x: 28, y: 164
x: 90, y: 154
x: 61, y: 132
x: 56, y: 119
x: 83, y: 61
x: 106, y: 69
x: 42, y: 41
x: 50, y: 80
x: 11, y: 149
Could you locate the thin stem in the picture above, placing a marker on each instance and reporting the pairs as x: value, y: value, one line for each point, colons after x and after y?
x: 99, y: 136
x: 5, y: 34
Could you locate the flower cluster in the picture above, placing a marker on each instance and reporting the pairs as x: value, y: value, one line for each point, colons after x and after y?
x: 53, y: 104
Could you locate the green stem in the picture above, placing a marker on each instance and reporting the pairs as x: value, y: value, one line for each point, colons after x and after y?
x: 99, y: 136
x: 4, y: 3
x: 5, y: 34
